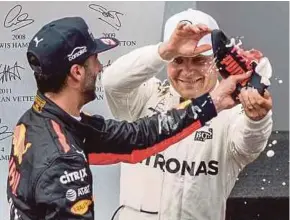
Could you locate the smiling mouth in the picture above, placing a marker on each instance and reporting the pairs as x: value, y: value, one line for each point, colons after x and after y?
x: 191, y: 81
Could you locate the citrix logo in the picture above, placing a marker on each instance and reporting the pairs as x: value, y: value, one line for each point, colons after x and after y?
x: 172, y: 165
x: 73, y: 176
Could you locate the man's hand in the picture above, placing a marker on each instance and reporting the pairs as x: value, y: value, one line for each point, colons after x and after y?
x: 256, y: 106
x: 222, y: 95
x: 183, y: 42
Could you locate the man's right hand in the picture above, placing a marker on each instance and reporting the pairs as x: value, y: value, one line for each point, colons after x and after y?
x: 222, y: 95
x: 183, y: 41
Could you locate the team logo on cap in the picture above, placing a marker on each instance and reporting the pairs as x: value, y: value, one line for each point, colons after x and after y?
x: 37, y: 41
x: 108, y: 41
x: 78, y: 51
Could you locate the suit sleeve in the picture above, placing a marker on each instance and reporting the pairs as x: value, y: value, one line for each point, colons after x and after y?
x: 63, y: 191
x: 133, y: 142
x: 130, y: 81
x: 247, y: 138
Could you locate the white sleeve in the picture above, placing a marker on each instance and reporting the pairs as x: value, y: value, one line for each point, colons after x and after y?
x: 248, y: 138
x: 130, y: 81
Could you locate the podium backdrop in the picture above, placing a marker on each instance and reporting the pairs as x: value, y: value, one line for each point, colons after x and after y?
x: 264, y: 25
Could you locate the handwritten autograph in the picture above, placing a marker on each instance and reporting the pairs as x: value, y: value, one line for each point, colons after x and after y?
x: 4, y: 133
x: 108, y: 64
x: 10, y: 73
x: 109, y: 17
x: 17, y: 19
x: 104, y: 67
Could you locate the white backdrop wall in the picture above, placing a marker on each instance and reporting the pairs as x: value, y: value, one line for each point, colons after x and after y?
x: 134, y: 23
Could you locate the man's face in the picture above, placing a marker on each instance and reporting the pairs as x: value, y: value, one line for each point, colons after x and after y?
x: 88, y: 86
x: 191, y: 77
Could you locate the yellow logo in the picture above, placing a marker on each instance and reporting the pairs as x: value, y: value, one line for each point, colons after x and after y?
x: 38, y: 104
x: 20, y: 147
x: 81, y: 207
x: 184, y: 104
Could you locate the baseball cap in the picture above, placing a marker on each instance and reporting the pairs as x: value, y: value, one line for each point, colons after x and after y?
x: 193, y: 17
x: 64, y: 42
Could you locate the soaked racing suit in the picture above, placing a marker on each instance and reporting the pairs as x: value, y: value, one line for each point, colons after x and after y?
x: 193, y: 179
x: 49, y: 174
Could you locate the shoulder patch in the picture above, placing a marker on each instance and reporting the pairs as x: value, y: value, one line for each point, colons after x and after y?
x: 38, y: 104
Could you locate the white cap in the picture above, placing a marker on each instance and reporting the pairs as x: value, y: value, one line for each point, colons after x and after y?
x: 194, y: 17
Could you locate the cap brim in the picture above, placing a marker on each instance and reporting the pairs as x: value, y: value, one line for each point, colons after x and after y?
x: 105, y: 43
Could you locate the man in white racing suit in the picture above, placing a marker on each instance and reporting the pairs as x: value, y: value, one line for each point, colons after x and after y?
x: 192, y: 180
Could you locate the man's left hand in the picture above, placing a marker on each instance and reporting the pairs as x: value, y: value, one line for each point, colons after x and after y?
x: 256, y: 106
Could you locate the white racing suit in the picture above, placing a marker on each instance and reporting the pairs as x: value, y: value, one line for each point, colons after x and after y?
x: 192, y: 179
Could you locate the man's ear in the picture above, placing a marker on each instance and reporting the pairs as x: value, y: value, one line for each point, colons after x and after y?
x: 76, y: 72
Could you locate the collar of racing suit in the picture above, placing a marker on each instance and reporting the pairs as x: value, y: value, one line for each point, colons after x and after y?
x: 45, y: 107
